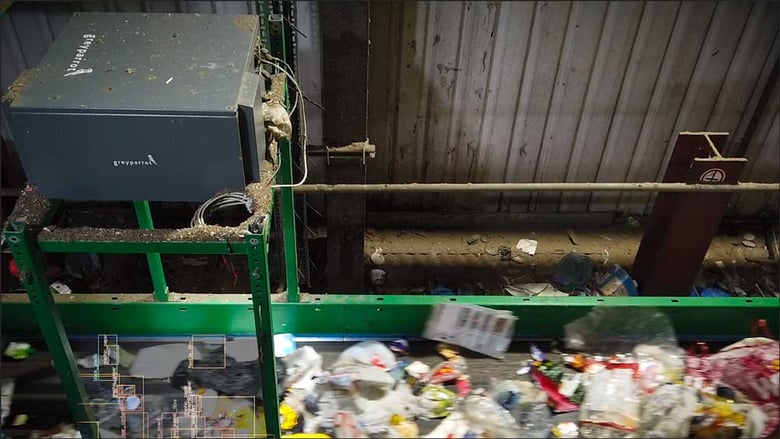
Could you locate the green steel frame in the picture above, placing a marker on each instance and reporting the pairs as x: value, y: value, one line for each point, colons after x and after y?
x: 335, y: 315
x: 345, y: 316
x: 32, y: 275
x: 144, y: 215
x: 27, y: 252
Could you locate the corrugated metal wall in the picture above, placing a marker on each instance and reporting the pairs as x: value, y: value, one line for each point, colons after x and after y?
x: 521, y: 91
x: 560, y: 91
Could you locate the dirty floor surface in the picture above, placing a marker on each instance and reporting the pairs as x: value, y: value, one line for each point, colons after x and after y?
x: 468, y: 259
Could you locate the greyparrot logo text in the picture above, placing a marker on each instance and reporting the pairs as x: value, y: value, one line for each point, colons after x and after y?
x: 148, y: 162
x: 81, y: 51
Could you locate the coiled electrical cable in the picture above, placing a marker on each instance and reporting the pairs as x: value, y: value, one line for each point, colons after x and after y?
x: 219, y: 202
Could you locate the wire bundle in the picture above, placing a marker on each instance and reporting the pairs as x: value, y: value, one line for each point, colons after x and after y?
x: 233, y: 199
x: 218, y: 202
x: 288, y: 71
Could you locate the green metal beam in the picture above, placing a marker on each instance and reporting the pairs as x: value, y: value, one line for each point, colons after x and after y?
x: 144, y: 215
x: 165, y: 247
x: 46, y: 318
x: 278, y: 49
x: 288, y: 223
x: 346, y: 315
x: 263, y: 324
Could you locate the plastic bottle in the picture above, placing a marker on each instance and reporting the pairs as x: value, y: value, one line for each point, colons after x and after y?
x: 534, y: 420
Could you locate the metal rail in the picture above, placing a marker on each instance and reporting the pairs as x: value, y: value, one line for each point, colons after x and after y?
x: 540, y: 187
x: 694, y: 318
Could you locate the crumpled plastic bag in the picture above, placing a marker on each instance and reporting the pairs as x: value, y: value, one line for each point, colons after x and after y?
x: 667, y: 412
x: 534, y: 420
x: 369, y: 352
x: 277, y: 119
x: 225, y: 375
x: 752, y: 367
x: 617, y: 330
x: 486, y: 416
x: 611, y: 404
x: 659, y: 365
x: 301, y: 367
x: 350, y: 372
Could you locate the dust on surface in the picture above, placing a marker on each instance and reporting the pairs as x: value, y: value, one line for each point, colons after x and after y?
x: 259, y: 193
x: 418, y: 260
x: 354, y: 147
x: 245, y: 22
x: 31, y: 208
x: 276, y: 92
x: 24, y: 79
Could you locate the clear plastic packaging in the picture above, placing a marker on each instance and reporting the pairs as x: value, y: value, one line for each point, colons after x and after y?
x: 369, y: 352
x: 534, y: 420
x: 455, y: 426
x: 612, y: 330
x: 301, y: 367
x: 487, y: 417
x: 611, y: 399
x: 347, y: 373
x: 507, y: 394
x: 659, y: 365
x: 667, y: 412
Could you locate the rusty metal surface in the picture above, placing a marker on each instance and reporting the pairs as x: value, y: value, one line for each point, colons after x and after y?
x: 682, y: 225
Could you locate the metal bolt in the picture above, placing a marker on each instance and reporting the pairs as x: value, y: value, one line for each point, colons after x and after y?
x: 254, y: 241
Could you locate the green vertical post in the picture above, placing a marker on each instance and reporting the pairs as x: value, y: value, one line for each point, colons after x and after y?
x: 263, y: 9
x: 257, y: 254
x: 144, y: 216
x: 28, y: 257
x: 288, y: 223
x: 286, y: 178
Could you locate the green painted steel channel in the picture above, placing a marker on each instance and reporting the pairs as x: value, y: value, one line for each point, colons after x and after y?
x: 144, y: 215
x: 47, y: 321
x: 722, y: 319
x: 286, y: 178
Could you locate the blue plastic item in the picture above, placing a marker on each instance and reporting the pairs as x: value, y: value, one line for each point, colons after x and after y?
x: 441, y: 290
x: 710, y: 292
x: 617, y: 282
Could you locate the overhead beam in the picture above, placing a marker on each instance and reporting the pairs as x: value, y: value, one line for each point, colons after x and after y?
x: 538, y: 187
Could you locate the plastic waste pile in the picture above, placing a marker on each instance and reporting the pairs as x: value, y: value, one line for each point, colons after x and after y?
x: 577, y: 275
x: 624, y: 377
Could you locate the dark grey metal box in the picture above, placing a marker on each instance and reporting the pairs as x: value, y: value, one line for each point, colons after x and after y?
x: 133, y: 106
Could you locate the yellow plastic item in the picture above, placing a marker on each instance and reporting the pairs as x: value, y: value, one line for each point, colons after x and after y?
x: 309, y: 436
x: 407, y: 430
x: 289, y: 416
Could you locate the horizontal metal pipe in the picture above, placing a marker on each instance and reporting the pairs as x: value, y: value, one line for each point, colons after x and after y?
x: 539, y: 187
